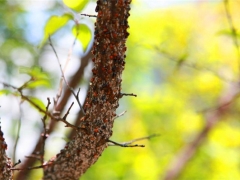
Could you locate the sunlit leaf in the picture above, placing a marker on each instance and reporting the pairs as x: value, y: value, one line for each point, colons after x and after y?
x: 76, y: 5
x: 38, y: 83
x: 38, y: 77
x: 4, y: 92
x: 34, y: 72
x: 37, y: 102
x: 83, y: 34
x: 53, y: 24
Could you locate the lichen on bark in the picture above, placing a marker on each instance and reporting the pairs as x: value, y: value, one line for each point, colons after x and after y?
x: 104, y: 93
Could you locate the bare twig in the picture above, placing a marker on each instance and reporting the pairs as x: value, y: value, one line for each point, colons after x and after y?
x: 65, y: 116
x: 126, y: 94
x: 234, y: 31
x: 73, y: 83
x: 18, y: 133
x: 41, y: 110
x: 130, y: 143
x: 44, y: 134
x: 30, y: 168
x: 25, y: 84
x: 62, y: 72
x: 119, y: 115
x: 19, y: 161
x: 123, y: 144
x: 77, y: 98
x: 88, y: 15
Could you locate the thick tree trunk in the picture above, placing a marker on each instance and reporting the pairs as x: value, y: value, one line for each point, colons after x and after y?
x: 102, y: 99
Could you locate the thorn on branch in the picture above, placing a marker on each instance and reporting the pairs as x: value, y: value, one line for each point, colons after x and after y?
x: 19, y: 161
x: 88, y: 15
x: 119, y: 115
x: 126, y: 94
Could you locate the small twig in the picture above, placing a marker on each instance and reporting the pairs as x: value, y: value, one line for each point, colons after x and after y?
x: 124, y: 144
x: 25, y: 84
x: 77, y: 98
x: 40, y: 109
x: 65, y: 117
x: 18, y: 133
x: 62, y: 72
x: 126, y: 94
x: 234, y: 31
x: 119, y: 115
x: 44, y: 135
x: 88, y: 15
x: 19, y: 161
x: 30, y: 168
x: 129, y: 143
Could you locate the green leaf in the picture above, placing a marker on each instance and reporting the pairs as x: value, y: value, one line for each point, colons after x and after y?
x: 37, y: 102
x: 5, y: 92
x: 34, y: 72
x: 38, y: 77
x: 53, y: 24
x: 76, y: 5
x: 83, y: 34
x: 38, y: 83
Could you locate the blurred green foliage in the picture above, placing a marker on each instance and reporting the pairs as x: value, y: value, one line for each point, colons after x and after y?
x: 172, y: 95
x: 75, y: 4
x: 180, y: 59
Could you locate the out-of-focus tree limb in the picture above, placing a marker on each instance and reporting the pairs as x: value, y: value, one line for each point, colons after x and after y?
x: 212, y: 117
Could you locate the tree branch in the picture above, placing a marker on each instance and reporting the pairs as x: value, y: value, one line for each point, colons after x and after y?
x: 212, y: 118
x: 102, y: 99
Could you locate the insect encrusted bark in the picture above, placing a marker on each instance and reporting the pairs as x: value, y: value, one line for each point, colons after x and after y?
x: 103, y: 96
x: 5, y: 162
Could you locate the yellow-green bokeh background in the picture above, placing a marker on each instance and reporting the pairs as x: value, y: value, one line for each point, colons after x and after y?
x: 180, y: 60
x: 172, y: 97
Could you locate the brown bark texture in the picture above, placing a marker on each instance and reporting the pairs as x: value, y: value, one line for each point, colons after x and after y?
x: 102, y: 99
x: 5, y: 162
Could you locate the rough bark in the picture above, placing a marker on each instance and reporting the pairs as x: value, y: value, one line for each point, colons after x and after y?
x: 102, y: 99
x: 5, y: 162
